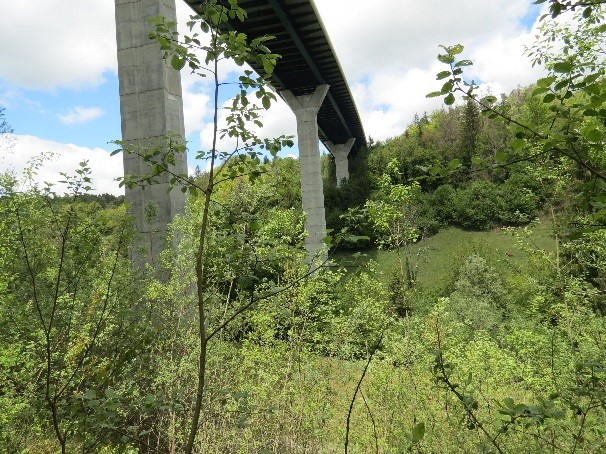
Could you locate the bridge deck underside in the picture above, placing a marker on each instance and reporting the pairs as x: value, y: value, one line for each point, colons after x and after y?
x: 308, y: 60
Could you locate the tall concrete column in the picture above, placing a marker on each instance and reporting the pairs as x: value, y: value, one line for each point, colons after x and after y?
x: 340, y: 153
x: 306, y: 109
x: 151, y: 105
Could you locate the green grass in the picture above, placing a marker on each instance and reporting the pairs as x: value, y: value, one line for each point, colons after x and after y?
x: 438, y: 258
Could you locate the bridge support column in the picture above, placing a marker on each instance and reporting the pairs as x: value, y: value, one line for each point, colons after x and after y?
x: 306, y: 109
x: 150, y: 105
x: 340, y: 153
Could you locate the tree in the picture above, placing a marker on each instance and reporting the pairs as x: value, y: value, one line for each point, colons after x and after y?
x: 572, y: 136
x: 226, y: 249
x: 470, y: 131
x: 393, y: 213
x: 64, y: 280
x: 5, y: 130
x: 574, y: 93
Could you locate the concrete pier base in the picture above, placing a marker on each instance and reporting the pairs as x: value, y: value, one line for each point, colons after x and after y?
x: 150, y: 106
x: 340, y: 153
x: 306, y: 109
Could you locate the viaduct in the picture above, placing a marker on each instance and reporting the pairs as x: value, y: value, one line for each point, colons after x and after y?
x: 308, y: 77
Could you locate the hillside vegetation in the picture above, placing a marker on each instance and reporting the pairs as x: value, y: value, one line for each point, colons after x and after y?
x: 461, y: 308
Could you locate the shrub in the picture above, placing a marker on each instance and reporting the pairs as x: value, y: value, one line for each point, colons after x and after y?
x: 518, y: 203
x: 442, y: 201
x: 476, y: 205
x: 479, y: 295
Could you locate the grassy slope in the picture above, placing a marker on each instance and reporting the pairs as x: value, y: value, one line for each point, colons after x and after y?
x: 439, y: 257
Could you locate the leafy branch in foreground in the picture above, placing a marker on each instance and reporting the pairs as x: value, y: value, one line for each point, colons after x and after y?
x: 69, y: 260
x: 511, y: 415
x: 210, y: 39
x: 574, y: 93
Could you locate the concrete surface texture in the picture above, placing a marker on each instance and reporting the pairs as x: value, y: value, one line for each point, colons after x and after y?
x: 306, y: 109
x: 340, y: 153
x: 151, y: 105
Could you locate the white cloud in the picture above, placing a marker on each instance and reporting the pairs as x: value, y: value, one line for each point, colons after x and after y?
x: 52, y: 43
x: 375, y: 36
x: 386, y: 48
x: 390, y: 100
x: 501, y: 62
x: 79, y: 115
x: 11, y: 97
x: 388, y: 51
x: 105, y: 168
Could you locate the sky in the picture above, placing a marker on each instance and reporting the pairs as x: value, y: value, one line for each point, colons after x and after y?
x: 59, y: 85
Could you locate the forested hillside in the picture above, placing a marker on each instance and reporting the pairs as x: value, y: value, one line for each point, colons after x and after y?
x: 460, y: 309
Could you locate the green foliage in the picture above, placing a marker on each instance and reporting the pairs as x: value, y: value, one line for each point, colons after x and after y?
x: 4, y: 126
x: 476, y: 205
x: 66, y: 303
x: 94, y: 358
x: 573, y: 94
x: 478, y: 298
x: 391, y: 210
x: 443, y: 203
x: 518, y: 204
x: 5, y: 131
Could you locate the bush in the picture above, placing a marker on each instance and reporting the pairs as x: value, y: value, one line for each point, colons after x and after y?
x: 476, y: 205
x: 442, y: 201
x: 518, y: 203
x: 478, y: 298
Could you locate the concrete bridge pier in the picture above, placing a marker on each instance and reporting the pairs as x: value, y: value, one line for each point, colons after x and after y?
x: 305, y: 108
x: 340, y: 153
x: 151, y: 105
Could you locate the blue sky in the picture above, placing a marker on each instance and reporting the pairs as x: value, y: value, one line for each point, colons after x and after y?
x: 47, y: 113
x: 59, y: 85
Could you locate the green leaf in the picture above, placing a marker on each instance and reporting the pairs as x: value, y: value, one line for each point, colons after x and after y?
x: 177, y: 62
x: 111, y: 394
x: 447, y: 87
x: 475, y: 160
x: 594, y: 135
x: 268, y: 66
x: 89, y: 394
x: 591, y: 78
x: 463, y: 63
x: 563, y: 67
x: 501, y: 157
x: 418, y: 432
x: 449, y: 100
x: 454, y: 164
x: 442, y: 75
x: 549, y: 97
x: 446, y: 59
x: 456, y: 49
x: 433, y: 94
x: 517, y: 144
x: 546, y: 81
